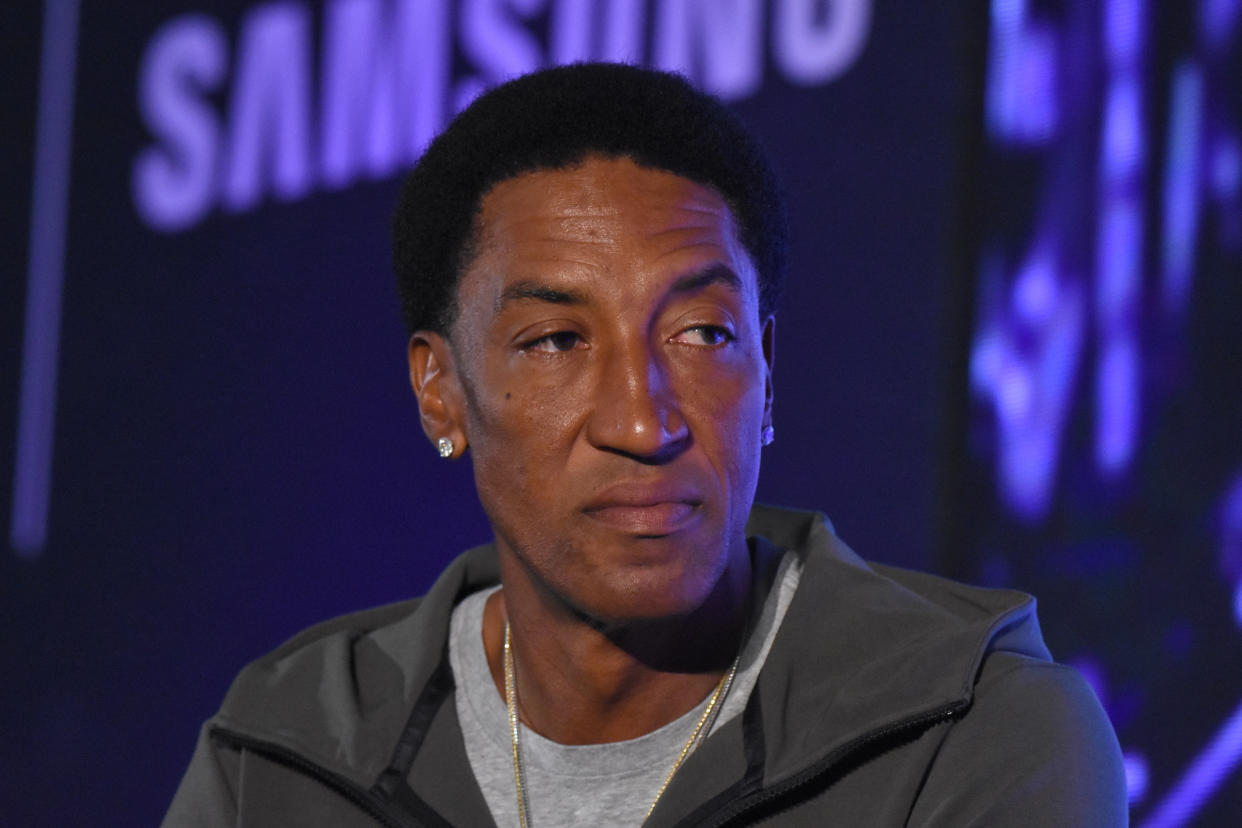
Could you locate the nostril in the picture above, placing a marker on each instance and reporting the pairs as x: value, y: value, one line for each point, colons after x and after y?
x: 646, y: 429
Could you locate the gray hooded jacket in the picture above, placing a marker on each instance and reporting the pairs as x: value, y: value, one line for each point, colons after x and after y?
x: 889, y: 698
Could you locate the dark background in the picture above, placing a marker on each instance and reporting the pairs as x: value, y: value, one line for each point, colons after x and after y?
x: 237, y: 452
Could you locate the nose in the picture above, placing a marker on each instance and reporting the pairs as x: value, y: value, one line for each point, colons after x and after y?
x: 636, y: 410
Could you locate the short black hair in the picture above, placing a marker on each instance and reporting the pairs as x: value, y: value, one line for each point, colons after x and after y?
x: 554, y: 119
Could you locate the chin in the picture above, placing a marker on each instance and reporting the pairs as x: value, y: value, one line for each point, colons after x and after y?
x: 652, y: 594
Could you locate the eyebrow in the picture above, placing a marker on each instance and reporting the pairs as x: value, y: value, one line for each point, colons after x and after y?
x: 715, y: 274
x: 529, y: 290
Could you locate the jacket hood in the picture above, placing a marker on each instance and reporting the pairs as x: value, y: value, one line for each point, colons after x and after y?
x: 831, y: 684
x: 341, y: 694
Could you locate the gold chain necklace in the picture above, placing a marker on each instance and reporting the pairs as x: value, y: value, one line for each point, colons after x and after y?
x: 703, y: 727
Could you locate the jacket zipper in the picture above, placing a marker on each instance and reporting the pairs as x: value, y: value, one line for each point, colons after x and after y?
x: 364, y: 799
x: 739, y: 807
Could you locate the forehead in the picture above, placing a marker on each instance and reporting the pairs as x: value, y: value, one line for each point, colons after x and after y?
x: 605, y: 222
x: 601, y: 189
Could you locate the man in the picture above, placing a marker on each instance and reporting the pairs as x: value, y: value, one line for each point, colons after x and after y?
x: 589, y: 259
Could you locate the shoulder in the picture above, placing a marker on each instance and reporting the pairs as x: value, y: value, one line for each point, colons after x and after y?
x: 867, y: 649
x: 408, y: 632
x: 1034, y: 748
x: 1049, y: 704
x: 296, y: 699
x: 340, y: 692
x: 350, y: 626
x: 900, y: 603
x: 335, y: 697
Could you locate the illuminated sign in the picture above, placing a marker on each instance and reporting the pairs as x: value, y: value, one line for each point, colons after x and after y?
x: 266, y: 114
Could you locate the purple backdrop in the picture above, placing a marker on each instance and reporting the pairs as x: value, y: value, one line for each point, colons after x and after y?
x: 198, y: 270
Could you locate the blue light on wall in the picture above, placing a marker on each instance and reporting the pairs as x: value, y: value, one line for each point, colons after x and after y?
x: 32, y: 474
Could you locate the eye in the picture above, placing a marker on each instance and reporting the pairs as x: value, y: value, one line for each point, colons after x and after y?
x: 554, y: 343
x: 710, y: 336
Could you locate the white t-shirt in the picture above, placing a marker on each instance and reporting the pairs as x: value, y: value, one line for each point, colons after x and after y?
x: 610, y: 784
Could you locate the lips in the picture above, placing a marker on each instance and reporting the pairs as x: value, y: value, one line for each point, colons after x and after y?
x: 645, y: 509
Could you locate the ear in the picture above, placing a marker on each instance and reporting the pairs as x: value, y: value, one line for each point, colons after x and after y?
x: 437, y: 388
x: 769, y: 357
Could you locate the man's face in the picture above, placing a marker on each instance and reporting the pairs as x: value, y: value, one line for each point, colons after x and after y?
x: 611, y: 376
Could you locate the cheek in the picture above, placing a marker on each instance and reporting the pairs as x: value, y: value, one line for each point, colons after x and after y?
x: 518, y: 439
x: 729, y: 418
x: 730, y: 402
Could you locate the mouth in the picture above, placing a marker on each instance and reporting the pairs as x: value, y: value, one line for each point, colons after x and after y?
x: 645, y: 511
x: 652, y: 520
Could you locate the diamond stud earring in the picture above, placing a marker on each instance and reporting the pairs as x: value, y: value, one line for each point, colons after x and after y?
x: 445, y: 446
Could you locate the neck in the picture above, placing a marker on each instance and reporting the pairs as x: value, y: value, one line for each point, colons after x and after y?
x: 583, y: 682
